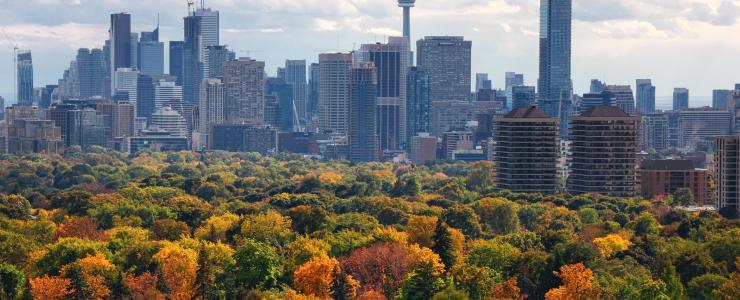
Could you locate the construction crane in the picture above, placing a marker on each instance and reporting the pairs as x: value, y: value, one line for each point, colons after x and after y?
x: 15, y: 64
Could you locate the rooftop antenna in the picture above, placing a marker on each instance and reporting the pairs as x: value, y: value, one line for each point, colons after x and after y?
x: 15, y: 63
x: 190, y: 4
x: 202, y: 4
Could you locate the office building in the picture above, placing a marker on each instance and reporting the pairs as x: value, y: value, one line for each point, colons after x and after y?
x: 120, y: 45
x: 209, y: 26
x: 126, y: 83
x: 151, y: 54
x: 665, y: 177
x: 25, y: 77
x: 727, y: 174
x: 120, y: 118
x: 455, y: 115
x: 212, y: 109
x: 295, y: 76
x: 145, y: 98
x: 364, y: 145
x: 680, y: 98
x: 165, y: 91
x: 597, y: 86
x: 391, y: 66
x: 334, y: 71
x: 244, y: 90
x: 313, y: 93
x: 216, y: 57
x: 282, y: 101
x: 244, y: 138
x: 527, y: 151
x: 447, y: 59
x: 512, y: 79
x: 177, y: 59
x: 655, y: 131
x: 604, y: 98
x: 91, y: 69
x: 721, y: 99
x: 157, y: 141
x: 645, y: 96
x: 168, y: 120
x: 522, y: 96
x: 192, y: 66
x: 423, y: 149
x: 418, y: 102
x: 555, y: 86
x: 699, y: 127
x: 624, y: 98
x: 482, y: 82
x: 453, y: 141
x: 603, y: 153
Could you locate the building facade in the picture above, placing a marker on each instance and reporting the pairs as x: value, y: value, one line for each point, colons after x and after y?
x: 680, y: 98
x: 555, y: 85
x: 244, y: 84
x: 25, y: 77
x: 624, y: 98
x: 727, y: 174
x: 448, y: 61
x: 665, y: 177
x: 418, y: 102
x: 364, y: 143
x: 334, y: 71
x: 645, y: 91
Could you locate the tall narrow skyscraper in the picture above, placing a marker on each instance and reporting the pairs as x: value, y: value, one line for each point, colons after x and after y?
x: 418, y: 103
x: 295, y: 76
x: 313, y: 94
x: 645, y: 96
x: 151, y: 54
x: 513, y: 79
x: 334, y: 73
x: 120, y: 44
x: 192, y: 65
x: 363, y: 136
x: 555, y: 85
x: 177, y: 49
x: 25, y: 78
x: 91, y: 68
x: 244, y: 88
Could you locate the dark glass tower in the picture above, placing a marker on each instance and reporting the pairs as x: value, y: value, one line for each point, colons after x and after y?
x: 418, y: 102
x: 120, y: 44
x: 176, y: 60
x: 645, y: 96
x: 364, y: 145
x: 555, y: 84
x: 25, y: 78
x: 91, y: 72
x: 191, y: 66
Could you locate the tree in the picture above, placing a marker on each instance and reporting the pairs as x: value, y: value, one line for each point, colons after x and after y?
x: 706, y: 286
x: 443, y: 245
x: 683, y: 197
x: 577, y: 284
x: 178, y: 267
x: 169, y: 230
x: 144, y: 287
x: 381, y: 267
x: 646, y: 224
x: 481, y: 176
x: 12, y: 282
x: 205, y: 279
x: 422, y: 283
x: 421, y: 230
x: 50, y: 288
x: 507, y: 290
x: 611, y: 244
x: 535, y: 273
x: 500, y: 215
x: 307, y: 219
x: 316, y: 277
x: 80, y: 227
x: 257, y: 266
x: 304, y: 249
x: 270, y: 227
x: 474, y: 280
x: 492, y: 254
x: 76, y: 202
x: 463, y: 218
x: 15, y: 207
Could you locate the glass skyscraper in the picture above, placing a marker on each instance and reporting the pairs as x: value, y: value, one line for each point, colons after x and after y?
x: 555, y: 83
x: 25, y: 78
x: 645, y: 96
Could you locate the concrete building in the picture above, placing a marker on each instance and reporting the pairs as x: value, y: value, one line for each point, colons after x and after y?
x: 91, y: 67
x: 120, y: 118
x: 699, y: 126
x: 603, y: 153
x: 364, y: 143
x: 624, y: 98
x: 212, y: 108
x: 32, y: 135
x: 157, y: 141
x: 645, y: 91
x: 423, y: 149
x: 655, y: 131
x: 665, y: 177
x: 555, y: 85
x: 680, y: 98
x: 166, y: 91
x: 457, y: 140
x: 334, y: 71
x: 127, y: 83
x: 447, y: 59
x: 244, y: 138
x: 527, y: 151
x: 455, y: 115
x: 168, y: 120
x: 727, y: 174
x: 244, y: 90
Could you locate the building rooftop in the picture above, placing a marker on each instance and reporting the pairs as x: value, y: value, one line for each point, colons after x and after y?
x: 605, y: 112
x: 532, y: 112
x: 668, y: 165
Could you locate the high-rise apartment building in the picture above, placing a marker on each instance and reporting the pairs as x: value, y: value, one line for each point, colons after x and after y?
x: 680, y: 98
x: 363, y: 137
x: 120, y: 45
x: 244, y: 84
x: 555, y: 85
x: 448, y: 61
x: 334, y: 75
x: 418, y: 102
x: 512, y: 79
x: 151, y: 54
x: 527, y: 151
x: 721, y: 99
x: 215, y: 59
x: 126, y: 80
x: 727, y: 174
x: 603, y: 153
x: 655, y: 131
x: 624, y: 98
x: 645, y: 96
x: 168, y: 120
x: 295, y: 76
x: 25, y: 77
x: 391, y: 66
x: 212, y: 107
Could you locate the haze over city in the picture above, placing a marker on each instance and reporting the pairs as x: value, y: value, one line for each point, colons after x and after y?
x: 683, y: 43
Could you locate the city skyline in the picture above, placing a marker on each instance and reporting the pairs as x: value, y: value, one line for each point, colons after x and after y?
x: 503, y: 33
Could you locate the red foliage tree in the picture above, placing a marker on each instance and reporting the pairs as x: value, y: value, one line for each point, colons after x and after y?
x: 381, y: 267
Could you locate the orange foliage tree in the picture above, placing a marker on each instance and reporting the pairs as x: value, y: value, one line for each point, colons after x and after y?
x: 178, y: 267
x: 380, y: 267
x: 144, y: 287
x: 80, y: 227
x: 577, y: 284
x: 508, y: 290
x: 50, y: 288
x: 316, y: 277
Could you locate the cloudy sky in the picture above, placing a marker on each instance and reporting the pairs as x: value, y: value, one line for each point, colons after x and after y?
x: 677, y: 43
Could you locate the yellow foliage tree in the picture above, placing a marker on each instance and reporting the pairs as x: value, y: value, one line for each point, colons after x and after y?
x: 178, y: 267
x: 215, y: 227
x: 330, y: 178
x: 420, y: 230
x: 92, y: 271
x: 422, y: 256
x: 612, y: 244
x: 577, y: 284
x: 316, y: 277
x: 271, y: 228
x: 50, y: 288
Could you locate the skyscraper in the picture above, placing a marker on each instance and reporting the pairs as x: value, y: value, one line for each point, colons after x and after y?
x: 127, y: 80
x: 555, y: 85
x: 482, y: 82
x: 91, y: 68
x: 151, y: 54
x: 334, y: 92
x: 216, y: 57
x: 448, y: 60
x: 392, y: 68
x: 25, y: 78
x: 523, y: 96
x: 728, y: 174
x: 698, y: 127
x: 680, y: 98
x: 295, y: 76
x: 166, y: 91
x: 313, y: 94
x: 168, y: 120
x: 721, y: 99
x: 418, y: 103
x: 177, y: 49
x: 655, y: 132
x: 244, y: 86
x: 209, y: 26
x: 212, y: 107
x: 192, y: 65
x: 363, y: 135
x: 145, y: 98
x: 597, y: 86
x: 645, y: 96
x: 624, y: 98
x: 282, y: 94
x: 406, y: 5
x: 120, y: 44
x: 511, y: 80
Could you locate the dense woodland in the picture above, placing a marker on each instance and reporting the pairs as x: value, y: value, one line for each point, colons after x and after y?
x: 105, y: 225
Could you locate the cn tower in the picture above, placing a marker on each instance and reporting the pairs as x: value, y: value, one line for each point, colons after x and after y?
x: 407, y: 5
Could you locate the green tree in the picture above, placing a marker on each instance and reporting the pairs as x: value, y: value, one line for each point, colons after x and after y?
x: 205, y: 279
x: 257, y: 266
x: 481, y: 176
x: 307, y: 219
x: 463, y: 218
x: 15, y: 207
x: 12, y: 282
x: 646, y: 224
x: 492, y: 254
x: 443, y: 245
x: 422, y: 284
x: 683, y: 197
x: 706, y: 286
